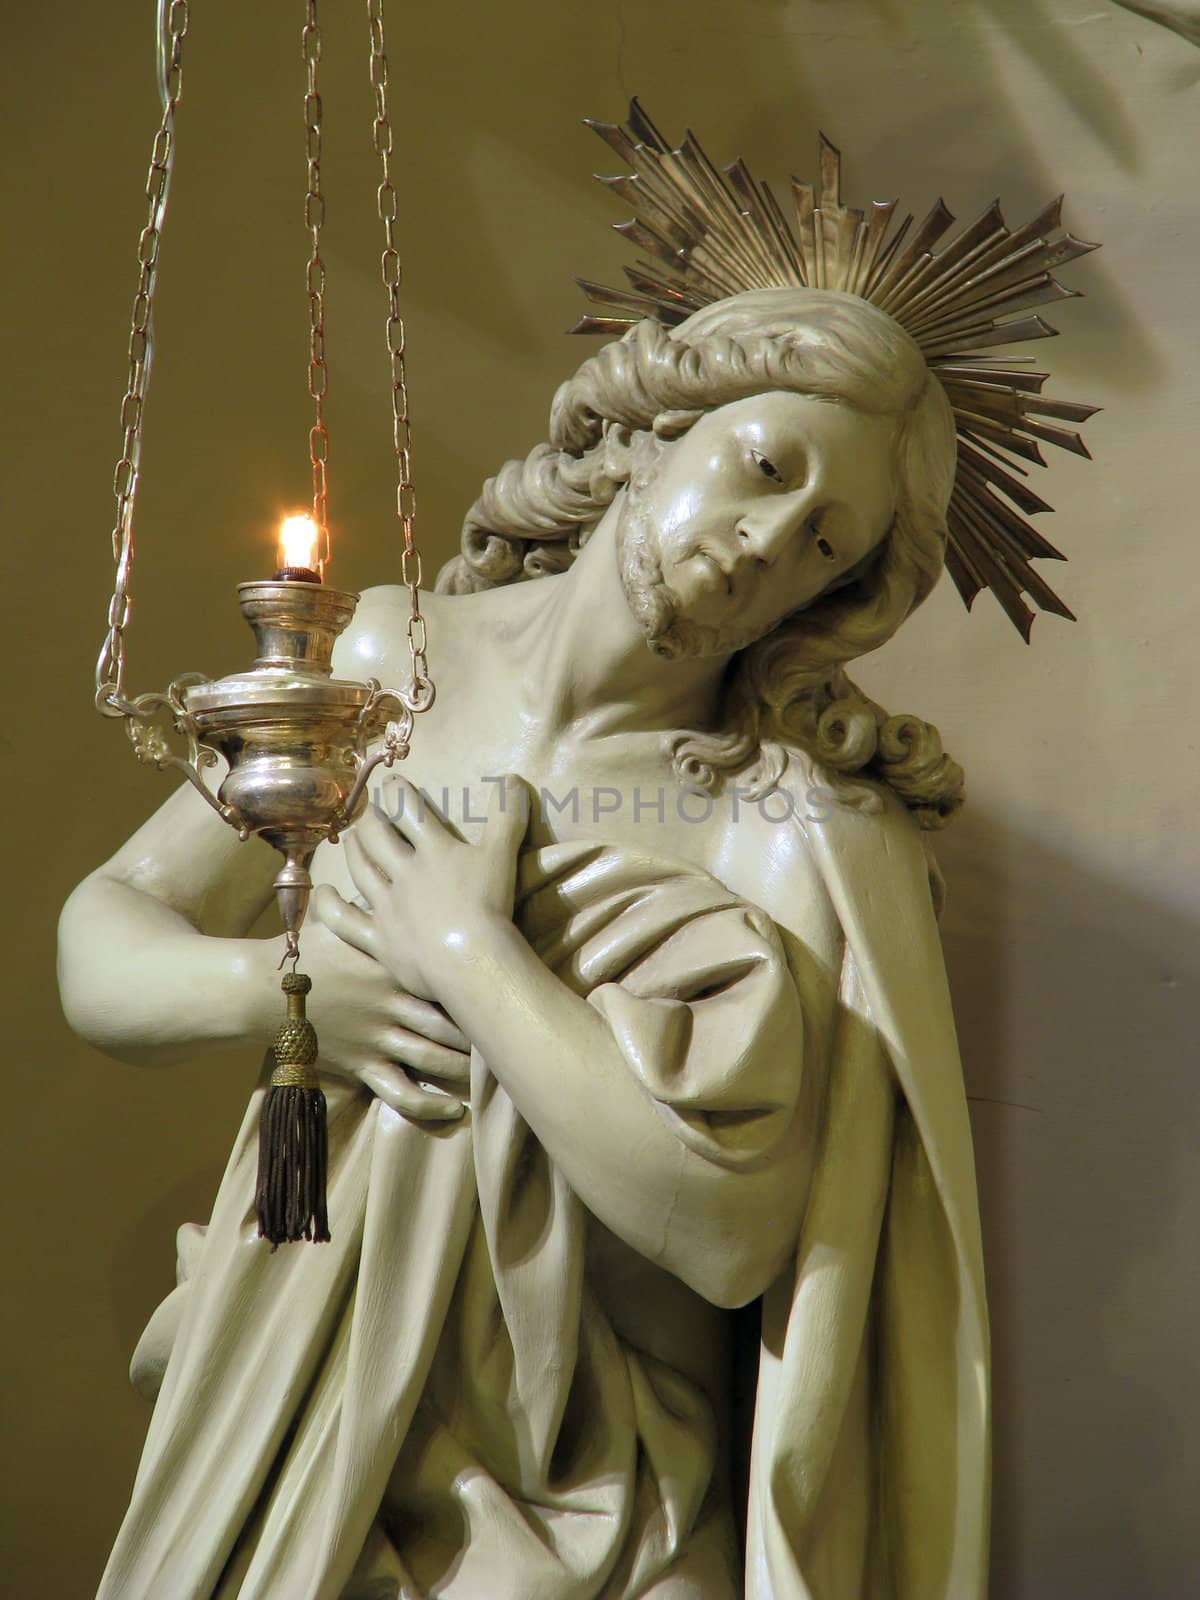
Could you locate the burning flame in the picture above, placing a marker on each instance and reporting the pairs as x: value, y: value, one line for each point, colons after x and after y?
x: 299, y: 540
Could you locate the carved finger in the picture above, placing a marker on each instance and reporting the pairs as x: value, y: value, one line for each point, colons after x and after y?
x: 371, y: 881
x: 426, y: 1018
x: 350, y: 924
x: 425, y: 1056
x: 507, y: 812
x: 391, y: 837
x: 415, y: 818
x: 396, y: 1089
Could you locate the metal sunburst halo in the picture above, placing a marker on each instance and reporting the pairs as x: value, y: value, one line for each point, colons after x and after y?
x: 714, y: 234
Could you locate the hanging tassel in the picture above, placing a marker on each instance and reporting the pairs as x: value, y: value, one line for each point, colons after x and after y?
x: 289, y: 1198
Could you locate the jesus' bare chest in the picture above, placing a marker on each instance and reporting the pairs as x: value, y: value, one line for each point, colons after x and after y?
x: 620, y: 789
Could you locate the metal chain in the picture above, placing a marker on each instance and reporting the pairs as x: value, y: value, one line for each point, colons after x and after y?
x: 172, y: 29
x: 314, y: 216
x: 110, y: 667
x: 406, y: 497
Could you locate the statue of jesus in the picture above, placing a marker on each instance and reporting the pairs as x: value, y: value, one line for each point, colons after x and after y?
x: 655, y: 1267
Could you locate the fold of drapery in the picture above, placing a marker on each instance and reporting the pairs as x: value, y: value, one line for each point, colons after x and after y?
x: 444, y: 1358
x: 870, y: 1467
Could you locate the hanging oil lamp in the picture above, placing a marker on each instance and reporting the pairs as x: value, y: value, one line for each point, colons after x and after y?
x: 297, y: 741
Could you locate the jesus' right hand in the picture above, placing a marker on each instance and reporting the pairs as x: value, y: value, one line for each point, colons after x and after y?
x: 404, y: 1049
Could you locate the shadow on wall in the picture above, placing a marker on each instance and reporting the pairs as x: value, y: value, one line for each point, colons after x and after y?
x: 1036, y: 28
x: 1077, y: 1002
x: 1181, y: 16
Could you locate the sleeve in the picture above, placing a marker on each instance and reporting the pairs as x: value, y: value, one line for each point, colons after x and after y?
x: 696, y: 989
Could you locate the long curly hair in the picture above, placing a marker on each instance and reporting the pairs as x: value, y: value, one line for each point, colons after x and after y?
x: 788, y: 694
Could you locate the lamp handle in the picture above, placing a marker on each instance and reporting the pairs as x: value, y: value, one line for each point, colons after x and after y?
x: 397, y: 736
x: 150, y: 742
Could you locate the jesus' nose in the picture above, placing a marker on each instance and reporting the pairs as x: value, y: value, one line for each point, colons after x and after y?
x: 770, y: 526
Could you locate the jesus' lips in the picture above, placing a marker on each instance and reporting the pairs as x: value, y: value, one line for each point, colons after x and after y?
x: 719, y: 575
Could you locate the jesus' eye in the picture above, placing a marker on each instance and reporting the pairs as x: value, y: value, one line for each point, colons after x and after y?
x: 767, y: 468
x: 826, y: 549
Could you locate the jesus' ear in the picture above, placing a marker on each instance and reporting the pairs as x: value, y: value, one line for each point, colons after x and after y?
x: 621, y: 442
x: 617, y: 440
x: 673, y: 424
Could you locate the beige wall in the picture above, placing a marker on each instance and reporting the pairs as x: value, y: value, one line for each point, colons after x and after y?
x: 1071, y: 934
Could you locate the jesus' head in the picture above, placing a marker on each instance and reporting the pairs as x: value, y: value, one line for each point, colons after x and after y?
x: 784, y: 460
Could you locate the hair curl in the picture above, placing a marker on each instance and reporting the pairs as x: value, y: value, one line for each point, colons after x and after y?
x: 788, y: 693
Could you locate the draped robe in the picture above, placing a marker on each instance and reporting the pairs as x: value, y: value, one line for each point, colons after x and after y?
x: 437, y: 1403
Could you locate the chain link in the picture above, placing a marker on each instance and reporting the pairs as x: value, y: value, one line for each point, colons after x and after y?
x: 110, y: 667
x: 406, y: 495
x: 314, y: 280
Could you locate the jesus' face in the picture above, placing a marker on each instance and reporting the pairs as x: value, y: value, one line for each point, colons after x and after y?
x: 760, y: 508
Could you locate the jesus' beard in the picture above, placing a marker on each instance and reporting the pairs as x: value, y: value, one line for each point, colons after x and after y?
x: 655, y: 606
